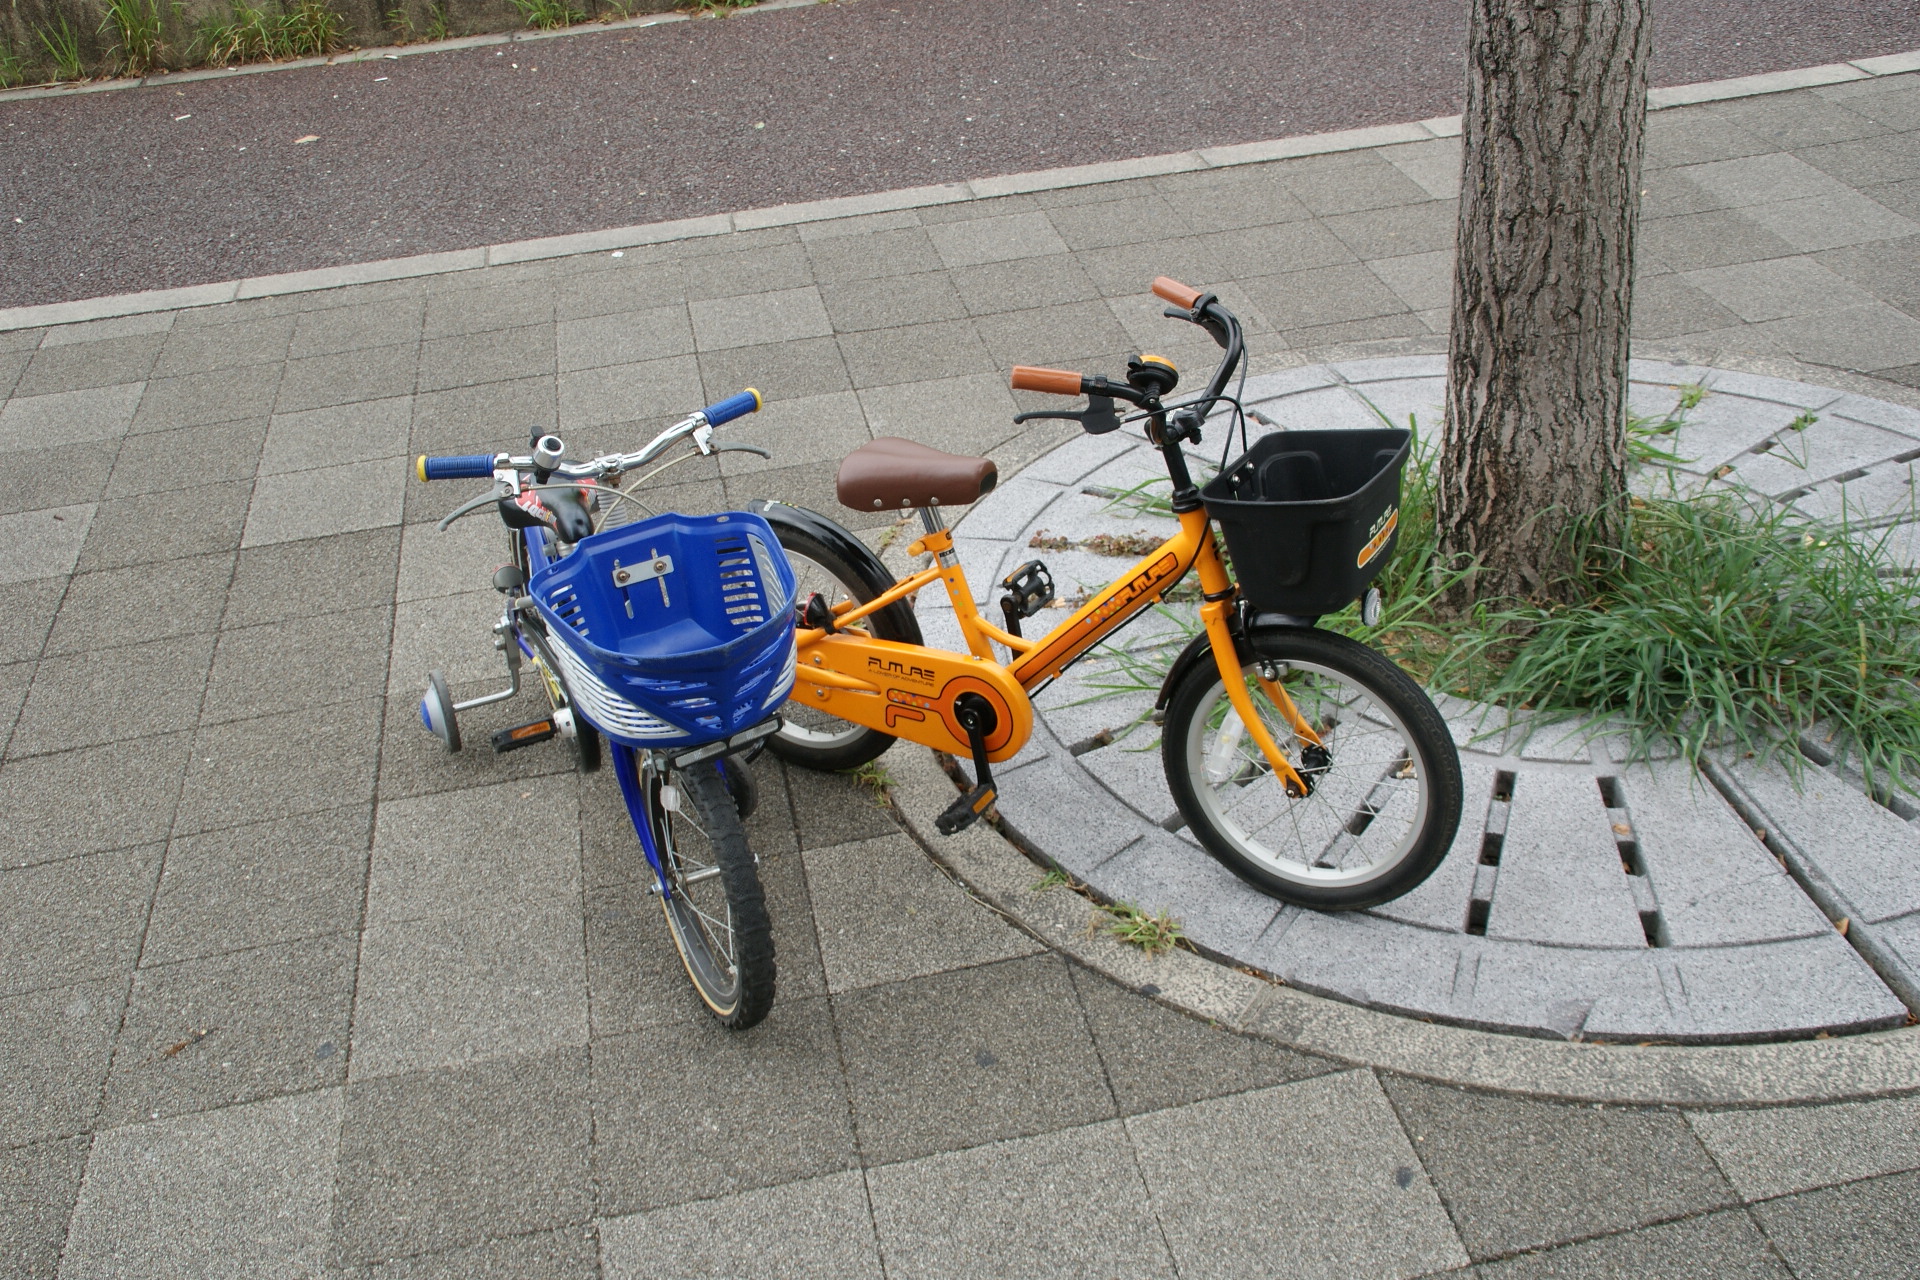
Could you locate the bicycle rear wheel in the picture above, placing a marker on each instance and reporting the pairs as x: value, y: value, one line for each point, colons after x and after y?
x: 715, y: 907
x: 1384, y: 799
x: 809, y: 737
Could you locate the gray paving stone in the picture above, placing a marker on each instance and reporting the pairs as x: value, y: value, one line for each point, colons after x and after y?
x: 150, y: 602
x: 111, y: 797
x: 1421, y: 280
x: 447, y: 1159
x: 1070, y: 335
x: 1224, y: 199
x: 367, y: 324
x: 904, y: 249
x: 60, y: 1040
x: 1838, y: 217
x: 823, y: 428
x: 1690, y: 242
x: 1864, y: 1229
x: 1870, y: 337
x: 915, y: 353
x: 1321, y: 1164
x: 436, y: 855
x: 482, y: 419
x: 1054, y: 807
x: 102, y: 363
x: 623, y: 393
x: 1328, y: 295
x: 79, y: 918
x: 15, y: 679
x: 970, y: 1056
x: 1560, y: 873
x: 1156, y: 1057
x: 995, y: 1210
x: 1220, y: 913
x: 1130, y: 269
x: 38, y: 1185
x: 1787, y: 1149
x: 449, y: 633
x: 1398, y: 230
x: 85, y: 699
x: 566, y: 1253
x: 326, y: 500
x: 1519, y: 1174
x: 635, y: 978
x: 238, y: 1192
x: 1778, y: 288
x: 168, y: 461
x: 69, y: 417
x: 757, y: 319
x: 1016, y: 504
x: 995, y: 239
x: 780, y: 371
x: 624, y: 337
x: 93, y: 331
x: 315, y: 576
x: 1349, y: 181
x: 211, y: 1032
x: 327, y: 437
x: 731, y: 273
x: 458, y: 311
x: 196, y: 399
x: 413, y: 762
x: 679, y: 1114
x: 27, y: 483
x: 1024, y: 283
x: 1862, y: 848
x: 1666, y: 305
x: 202, y: 349
x: 966, y: 415
x: 1714, y: 1246
x: 816, y: 1227
x: 1715, y: 882
x: 254, y: 770
x: 151, y: 527
x: 1762, y: 179
x: 1369, y: 962
x: 371, y: 374
x: 252, y: 886
x: 304, y: 662
x: 1440, y: 901
x: 1794, y: 986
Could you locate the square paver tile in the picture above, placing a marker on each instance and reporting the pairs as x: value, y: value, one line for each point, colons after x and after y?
x: 681, y: 1110
x: 149, y: 527
x: 1059, y: 334
x: 816, y: 1227
x: 1349, y: 181
x: 969, y: 1056
x: 391, y: 322
x: 915, y: 353
x: 1718, y: 238
x: 1519, y: 1174
x: 733, y: 272
x: 1871, y: 337
x: 1398, y: 230
x: 205, y: 348
x: 38, y: 1185
x: 1716, y: 1246
x: 251, y: 886
x: 645, y: 391
x: 450, y: 1158
x: 1329, y: 295
x: 45, y: 543
x: 893, y: 301
x: 635, y: 977
x: 147, y: 602
x: 1133, y: 219
x: 316, y: 438
x: 1131, y: 268
x: 456, y: 307
x: 903, y: 250
x: 1792, y: 120
x: 337, y: 499
x: 300, y: 663
x: 218, y: 1030
x: 965, y: 415
x: 1860, y: 1231
x: 564, y: 1253
x: 885, y: 913
x: 1156, y: 1057
x: 779, y: 371
x: 92, y: 331
x: 496, y: 355
x: 624, y: 337
x: 1423, y: 281
x: 84, y: 699
x: 1785, y: 1149
x: 79, y: 918
x: 168, y: 461
x: 314, y: 576
x: 349, y: 378
x: 757, y: 319
x: 241, y: 1192
x: 482, y: 419
x: 1266, y: 250
x: 1320, y: 1166
x: 995, y: 239
x: 69, y: 417
x: 254, y: 770
x: 221, y: 395
x: 997, y: 1210
x: 74, y: 366
x: 1842, y: 217
x: 59, y: 1041
x: 1025, y: 283
x: 27, y: 483
x: 98, y: 798
x: 1761, y: 179
x: 1778, y: 288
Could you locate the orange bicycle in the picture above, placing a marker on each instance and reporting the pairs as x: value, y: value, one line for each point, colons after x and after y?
x: 1305, y: 761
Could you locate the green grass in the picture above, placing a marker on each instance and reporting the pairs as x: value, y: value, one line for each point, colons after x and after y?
x: 62, y: 44
x: 1155, y: 934
x: 135, y: 28
x: 13, y: 68
x: 549, y: 14
x: 257, y: 33
x: 1054, y: 878
x: 873, y: 778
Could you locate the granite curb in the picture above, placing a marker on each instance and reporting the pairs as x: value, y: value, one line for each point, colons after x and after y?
x: 620, y: 238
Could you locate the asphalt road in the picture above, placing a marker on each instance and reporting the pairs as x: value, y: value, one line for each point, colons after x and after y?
x: 158, y: 187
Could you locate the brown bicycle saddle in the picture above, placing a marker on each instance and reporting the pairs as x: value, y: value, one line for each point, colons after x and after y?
x: 891, y: 472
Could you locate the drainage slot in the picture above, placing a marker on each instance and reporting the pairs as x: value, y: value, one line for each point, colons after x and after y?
x: 1093, y: 743
x: 1490, y: 848
x: 1477, y: 911
x: 1503, y: 780
x: 1656, y: 931
x: 1610, y: 792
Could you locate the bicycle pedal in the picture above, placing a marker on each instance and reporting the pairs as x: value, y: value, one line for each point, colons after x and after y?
x: 966, y: 810
x: 524, y: 735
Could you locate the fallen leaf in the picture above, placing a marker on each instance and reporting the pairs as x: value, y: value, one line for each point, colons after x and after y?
x: 1841, y: 925
x: 312, y: 137
x: 1622, y: 829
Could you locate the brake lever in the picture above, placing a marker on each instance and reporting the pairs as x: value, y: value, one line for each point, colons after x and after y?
x: 1096, y: 419
x: 1215, y: 329
x: 500, y: 490
x: 743, y: 448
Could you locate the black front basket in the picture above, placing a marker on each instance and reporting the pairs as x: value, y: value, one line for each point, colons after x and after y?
x: 1311, y: 517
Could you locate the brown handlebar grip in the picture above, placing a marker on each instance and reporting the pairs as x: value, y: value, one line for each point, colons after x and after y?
x: 1173, y: 291
x: 1059, y: 382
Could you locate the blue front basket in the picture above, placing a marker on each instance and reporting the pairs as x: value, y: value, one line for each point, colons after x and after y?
x: 673, y: 631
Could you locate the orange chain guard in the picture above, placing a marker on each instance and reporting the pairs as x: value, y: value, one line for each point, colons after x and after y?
x: 908, y: 691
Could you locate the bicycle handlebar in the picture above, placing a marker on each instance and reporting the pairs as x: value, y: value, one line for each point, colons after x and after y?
x: 1059, y: 382
x: 481, y: 466
x: 1191, y: 305
x: 465, y: 466
x: 1173, y: 291
x: 732, y: 407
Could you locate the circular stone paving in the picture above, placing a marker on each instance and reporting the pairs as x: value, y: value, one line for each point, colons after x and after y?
x: 1584, y: 897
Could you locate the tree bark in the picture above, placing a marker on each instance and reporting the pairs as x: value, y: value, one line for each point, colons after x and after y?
x: 1535, y: 434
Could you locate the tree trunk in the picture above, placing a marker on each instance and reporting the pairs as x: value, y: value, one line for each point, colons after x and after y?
x: 1535, y: 436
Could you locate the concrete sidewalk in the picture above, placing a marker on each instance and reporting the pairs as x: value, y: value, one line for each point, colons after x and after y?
x: 289, y: 992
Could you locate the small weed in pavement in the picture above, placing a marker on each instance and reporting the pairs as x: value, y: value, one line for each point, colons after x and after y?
x: 1053, y: 879
x: 549, y: 14
x: 873, y: 778
x: 1154, y: 934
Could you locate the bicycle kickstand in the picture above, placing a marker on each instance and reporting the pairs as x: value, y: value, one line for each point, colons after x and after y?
x: 976, y: 716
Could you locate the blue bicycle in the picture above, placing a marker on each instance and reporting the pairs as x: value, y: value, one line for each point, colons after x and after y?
x: 671, y: 638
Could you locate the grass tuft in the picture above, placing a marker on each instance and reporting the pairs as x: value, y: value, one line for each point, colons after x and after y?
x: 1154, y: 934
x: 135, y: 28
x: 549, y: 14
x: 62, y: 44
x: 873, y: 778
x: 256, y: 33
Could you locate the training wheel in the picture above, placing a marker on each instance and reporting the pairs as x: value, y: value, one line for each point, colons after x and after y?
x: 436, y: 712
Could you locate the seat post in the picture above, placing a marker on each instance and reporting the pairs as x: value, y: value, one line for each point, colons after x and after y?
x: 933, y: 522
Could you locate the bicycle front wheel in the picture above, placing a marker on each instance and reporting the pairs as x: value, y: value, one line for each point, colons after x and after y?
x: 1383, y: 799
x: 714, y: 904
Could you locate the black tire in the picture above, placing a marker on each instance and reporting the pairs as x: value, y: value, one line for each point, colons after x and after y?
x: 741, y: 785
x: 1383, y: 807
x: 585, y: 743
x: 714, y: 905
x: 812, y: 738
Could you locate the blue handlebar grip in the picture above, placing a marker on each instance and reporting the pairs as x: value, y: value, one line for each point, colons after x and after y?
x: 732, y: 407
x: 465, y: 466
